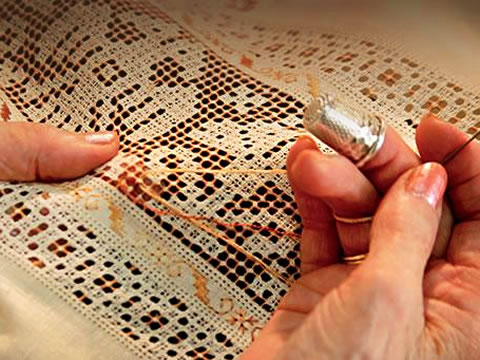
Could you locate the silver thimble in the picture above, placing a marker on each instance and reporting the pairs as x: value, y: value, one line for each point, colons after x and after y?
x: 348, y: 130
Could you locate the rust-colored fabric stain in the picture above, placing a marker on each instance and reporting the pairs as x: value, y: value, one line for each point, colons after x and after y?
x: 116, y: 217
x: 5, y: 112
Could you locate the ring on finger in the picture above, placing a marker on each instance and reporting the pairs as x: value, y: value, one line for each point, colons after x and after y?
x: 346, y: 220
x: 354, y: 259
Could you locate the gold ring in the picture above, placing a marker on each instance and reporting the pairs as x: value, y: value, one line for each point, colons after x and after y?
x: 346, y: 220
x: 354, y: 259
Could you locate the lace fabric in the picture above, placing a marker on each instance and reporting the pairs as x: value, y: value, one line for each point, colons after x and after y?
x: 183, y: 245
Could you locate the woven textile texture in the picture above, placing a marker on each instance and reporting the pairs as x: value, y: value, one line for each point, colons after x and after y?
x: 182, y: 245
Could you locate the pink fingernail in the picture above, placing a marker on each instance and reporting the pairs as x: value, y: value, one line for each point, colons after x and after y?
x: 428, y: 181
x: 104, y: 138
x: 307, y: 140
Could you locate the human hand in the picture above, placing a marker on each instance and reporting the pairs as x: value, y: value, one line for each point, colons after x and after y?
x: 398, y: 304
x: 36, y: 152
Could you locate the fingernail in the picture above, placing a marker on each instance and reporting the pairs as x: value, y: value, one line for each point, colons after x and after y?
x: 307, y: 138
x: 428, y: 181
x: 430, y: 116
x: 104, y: 138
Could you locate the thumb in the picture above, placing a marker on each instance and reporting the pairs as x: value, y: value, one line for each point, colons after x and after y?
x: 406, y: 223
x: 37, y: 152
x: 388, y: 284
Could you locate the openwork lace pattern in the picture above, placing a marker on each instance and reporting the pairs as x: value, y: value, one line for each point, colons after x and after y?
x: 182, y: 246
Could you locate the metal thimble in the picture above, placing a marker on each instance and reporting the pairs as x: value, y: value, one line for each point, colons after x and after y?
x: 349, y: 130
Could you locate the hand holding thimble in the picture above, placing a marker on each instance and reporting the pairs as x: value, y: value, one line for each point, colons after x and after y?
x: 370, y: 154
x: 397, y: 302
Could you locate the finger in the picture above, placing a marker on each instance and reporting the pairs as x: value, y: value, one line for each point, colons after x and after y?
x: 353, y: 193
x: 319, y: 244
x: 393, y: 159
x: 436, y: 139
x: 338, y: 183
x: 405, y: 225
x: 335, y: 180
x: 36, y: 152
